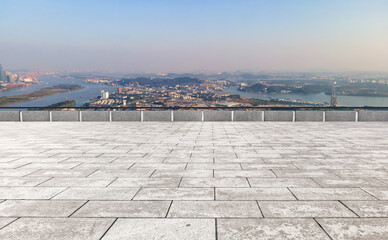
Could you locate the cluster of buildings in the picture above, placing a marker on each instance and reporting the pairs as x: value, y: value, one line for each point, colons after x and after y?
x: 10, y: 81
x: 206, y: 94
x: 7, y: 77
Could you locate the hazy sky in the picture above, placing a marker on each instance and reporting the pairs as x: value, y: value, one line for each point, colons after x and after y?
x: 194, y: 35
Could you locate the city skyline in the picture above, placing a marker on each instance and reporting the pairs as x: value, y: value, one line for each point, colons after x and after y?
x: 192, y: 36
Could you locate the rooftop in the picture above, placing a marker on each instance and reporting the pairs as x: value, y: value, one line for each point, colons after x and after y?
x: 194, y: 180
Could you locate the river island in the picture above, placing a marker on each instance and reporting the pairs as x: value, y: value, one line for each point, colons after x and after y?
x: 41, y: 93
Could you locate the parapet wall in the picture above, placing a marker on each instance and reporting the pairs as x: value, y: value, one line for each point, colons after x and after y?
x: 194, y: 116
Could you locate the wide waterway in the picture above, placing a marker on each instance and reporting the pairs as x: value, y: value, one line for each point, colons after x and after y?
x: 83, y: 96
x: 348, y: 101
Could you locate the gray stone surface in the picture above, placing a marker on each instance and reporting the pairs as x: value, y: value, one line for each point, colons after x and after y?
x: 56, y: 228
x: 157, y: 116
x: 179, y: 229
x: 340, y: 116
x: 95, y: 116
x: 193, y: 180
x: 126, y: 116
x: 6, y: 221
x: 38, y: 208
x: 309, y: 116
x: 369, y: 208
x: 214, y: 209
x: 251, y: 229
x: 248, y: 116
x: 254, y: 194
x: 278, y: 116
x: 175, y: 194
x: 303, y: 209
x: 97, y: 194
x: 331, y: 194
x: 65, y: 116
x: 193, y: 116
x: 9, y: 116
x: 145, y: 209
x: 35, y: 116
x: 360, y: 229
x: 217, y: 116
x: 373, y: 116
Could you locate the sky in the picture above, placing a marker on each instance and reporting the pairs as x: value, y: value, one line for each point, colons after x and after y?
x: 163, y: 36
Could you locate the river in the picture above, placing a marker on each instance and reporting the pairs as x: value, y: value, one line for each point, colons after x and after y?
x: 347, y: 101
x: 81, y: 96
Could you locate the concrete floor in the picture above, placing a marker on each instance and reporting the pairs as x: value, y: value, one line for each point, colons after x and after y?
x: 213, y: 180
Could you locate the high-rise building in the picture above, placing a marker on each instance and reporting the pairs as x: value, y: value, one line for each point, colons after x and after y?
x: 104, y: 95
x: 2, y: 74
x: 120, y: 90
x: 9, y: 77
x: 334, y: 102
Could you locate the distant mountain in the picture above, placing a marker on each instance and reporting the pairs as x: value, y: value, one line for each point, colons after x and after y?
x: 159, y: 82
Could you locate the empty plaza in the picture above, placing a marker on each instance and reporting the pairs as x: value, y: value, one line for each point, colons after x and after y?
x: 194, y: 180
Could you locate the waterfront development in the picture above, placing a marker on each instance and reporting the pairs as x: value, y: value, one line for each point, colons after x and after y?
x: 142, y: 92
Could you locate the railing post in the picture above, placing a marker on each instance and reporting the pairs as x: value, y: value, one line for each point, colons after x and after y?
x: 20, y: 116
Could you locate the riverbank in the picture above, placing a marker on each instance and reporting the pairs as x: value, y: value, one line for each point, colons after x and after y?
x: 41, y: 93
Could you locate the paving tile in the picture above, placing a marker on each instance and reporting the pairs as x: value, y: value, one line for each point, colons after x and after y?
x: 351, y: 182
x: 38, y: 208
x: 29, y: 192
x: 175, y: 194
x: 142, y: 209
x: 97, y: 194
x: 214, y: 182
x: 146, y: 182
x: 182, y: 173
x: 331, y: 194
x: 268, y: 229
x: 303, y: 173
x: 182, y: 229
x: 369, y: 208
x: 252, y: 166
x: 62, y: 173
x: 77, y: 182
x: 5, y: 221
x: 21, y: 181
x: 54, y: 165
x: 253, y: 194
x: 204, y: 166
x: 282, y: 182
x: 214, y: 209
x: 380, y: 193
x: 15, y: 172
x: 135, y: 173
x: 302, y: 209
x: 55, y: 228
x: 243, y: 173
x: 356, y: 229
x: 180, y: 166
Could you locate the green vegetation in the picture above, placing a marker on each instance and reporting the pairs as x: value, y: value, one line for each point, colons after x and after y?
x: 62, y: 104
x: 44, y: 92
